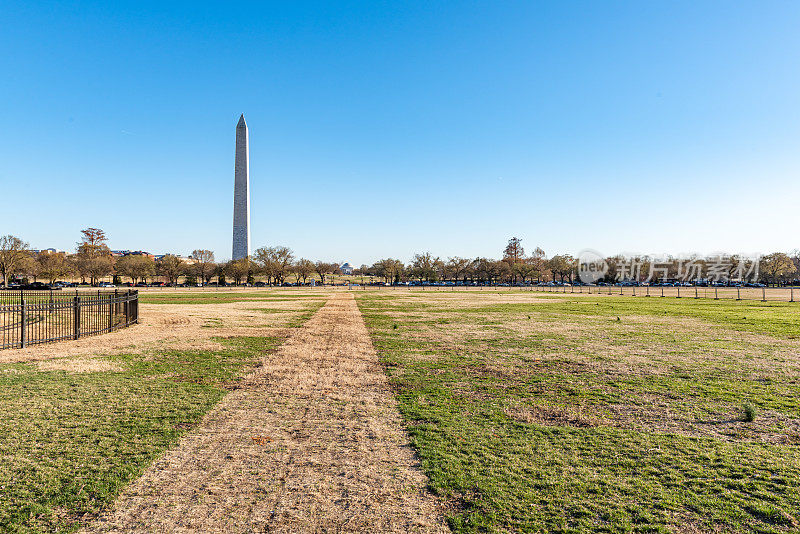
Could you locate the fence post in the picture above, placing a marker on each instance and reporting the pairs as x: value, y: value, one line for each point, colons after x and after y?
x: 763, y: 294
x: 679, y: 291
x: 76, y: 307
x: 662, y: 290
x: 716, y: 296
x: 738, y: 293
x: 111, y: 304
x: 23, y: 323
x: 791, y: 289
x: 696, y: 295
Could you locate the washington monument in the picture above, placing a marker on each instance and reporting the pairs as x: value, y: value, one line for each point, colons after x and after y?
x: 241, y: 193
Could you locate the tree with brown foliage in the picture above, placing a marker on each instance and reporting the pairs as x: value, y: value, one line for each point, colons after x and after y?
x: 94, y: 258
x: 776, y: 267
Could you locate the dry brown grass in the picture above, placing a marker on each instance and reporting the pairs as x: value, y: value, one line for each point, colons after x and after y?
x: 78, y: 365
x: 172, y: 326
x: 310, y: 443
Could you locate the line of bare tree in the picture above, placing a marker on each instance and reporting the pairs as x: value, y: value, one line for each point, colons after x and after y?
x: 93, y: 261
x: 515, y: 266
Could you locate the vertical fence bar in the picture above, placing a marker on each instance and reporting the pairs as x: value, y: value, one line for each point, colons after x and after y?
x: 76, y: 307
x: 763, y: 294
x: 23, y: 341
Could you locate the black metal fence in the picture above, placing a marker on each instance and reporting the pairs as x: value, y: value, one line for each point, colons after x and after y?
x: 34, y: 317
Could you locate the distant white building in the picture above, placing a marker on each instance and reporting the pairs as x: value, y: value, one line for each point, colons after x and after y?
x: 346, y: 268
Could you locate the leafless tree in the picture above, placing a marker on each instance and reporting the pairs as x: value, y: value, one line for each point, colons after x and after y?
x: 525, y: 269
x: 562, y: 265
x: 456, y: 268
x: 275, y: 262
x: 136, y: 267
x: 303, y: 269
x: 204, y: 265
x: 170, y: 267
x: 53, y: 265
x: 13, y: 251
x: 426, y: 267
x: 238, y: 270
x: 323, y: 269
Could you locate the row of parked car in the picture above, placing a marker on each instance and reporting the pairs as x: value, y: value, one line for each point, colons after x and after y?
x: 56, y: 286
x: 40, y: 286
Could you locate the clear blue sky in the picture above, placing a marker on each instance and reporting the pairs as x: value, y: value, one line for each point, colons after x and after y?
x: 384, y: 129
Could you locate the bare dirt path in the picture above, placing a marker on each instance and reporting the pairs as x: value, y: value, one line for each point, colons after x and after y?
x: 311, y: 443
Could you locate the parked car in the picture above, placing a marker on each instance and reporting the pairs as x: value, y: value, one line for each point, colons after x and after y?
x: 39, y: 286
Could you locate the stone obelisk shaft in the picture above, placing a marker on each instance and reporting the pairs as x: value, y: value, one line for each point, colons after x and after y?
x: 241, y: 193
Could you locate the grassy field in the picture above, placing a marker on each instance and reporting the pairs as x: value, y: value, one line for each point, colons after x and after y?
x: 535, y: 412
x: 74, y: 430
x: 213, y: 296
x: 530, y: 411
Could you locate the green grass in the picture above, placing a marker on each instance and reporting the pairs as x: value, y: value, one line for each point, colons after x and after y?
x: 599, y: 414
x: 70, y: 441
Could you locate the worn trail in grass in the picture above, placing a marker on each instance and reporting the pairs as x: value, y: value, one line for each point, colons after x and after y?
x: 598, y: 414
x: 310, y: 442
x: 80, y: 420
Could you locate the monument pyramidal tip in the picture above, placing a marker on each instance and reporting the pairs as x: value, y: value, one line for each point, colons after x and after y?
x: 241, y: 193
